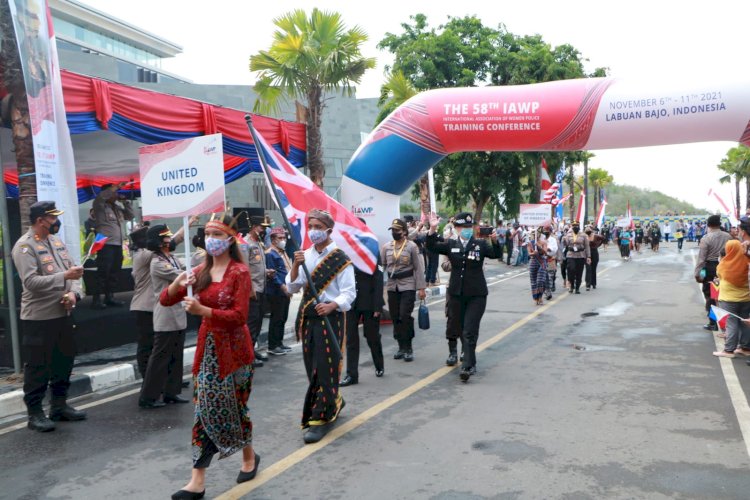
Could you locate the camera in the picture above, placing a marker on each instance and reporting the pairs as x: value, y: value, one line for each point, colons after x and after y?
x: 485, y: 230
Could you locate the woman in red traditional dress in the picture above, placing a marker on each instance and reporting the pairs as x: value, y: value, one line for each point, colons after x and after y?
x: 222, y: 370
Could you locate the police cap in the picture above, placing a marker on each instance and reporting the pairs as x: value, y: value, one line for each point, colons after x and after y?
x: 399, y: 224
x: 463, y: 219
x: 43, y: 208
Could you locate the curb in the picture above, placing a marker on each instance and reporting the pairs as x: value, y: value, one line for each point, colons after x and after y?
x: 109, y: 377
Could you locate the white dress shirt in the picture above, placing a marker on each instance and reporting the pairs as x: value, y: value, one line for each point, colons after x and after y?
x: 342, y: 289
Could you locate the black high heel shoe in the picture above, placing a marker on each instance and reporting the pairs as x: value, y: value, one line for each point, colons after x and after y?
x: 188, y: 495
x: 243, y: 477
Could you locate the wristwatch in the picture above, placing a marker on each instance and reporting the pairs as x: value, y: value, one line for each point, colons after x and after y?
x: 77, y: 296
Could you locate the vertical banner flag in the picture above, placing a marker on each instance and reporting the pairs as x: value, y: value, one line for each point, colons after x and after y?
x: 724, y: 207
x: 631, y: 225
x: 299, y: 195
x: 559, y: 181
x: 600, y: 216
x: 53, y: 150
x: 581, y: 205
x: 546, y: 183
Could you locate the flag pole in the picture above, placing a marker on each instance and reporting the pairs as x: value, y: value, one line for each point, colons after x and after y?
x: 297, y: 245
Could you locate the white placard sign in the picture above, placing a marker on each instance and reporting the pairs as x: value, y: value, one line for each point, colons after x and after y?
x: 535, y: 214
x: 182, y: 178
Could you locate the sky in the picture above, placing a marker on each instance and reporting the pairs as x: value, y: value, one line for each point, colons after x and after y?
x: 636, y: 39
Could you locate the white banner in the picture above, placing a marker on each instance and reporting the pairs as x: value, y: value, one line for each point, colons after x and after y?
x: 182, y: 178
x: 53, y: 150
x: 535, y: 214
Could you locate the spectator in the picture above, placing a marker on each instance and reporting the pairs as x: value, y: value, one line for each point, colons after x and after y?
x: 276, y: 291
x: 734, y: 297
x: 110, y: 210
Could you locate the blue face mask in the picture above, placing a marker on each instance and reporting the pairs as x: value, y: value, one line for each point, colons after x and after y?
x: 467, y: 233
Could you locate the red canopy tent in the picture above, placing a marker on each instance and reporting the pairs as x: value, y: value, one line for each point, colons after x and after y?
x: 108, y: 122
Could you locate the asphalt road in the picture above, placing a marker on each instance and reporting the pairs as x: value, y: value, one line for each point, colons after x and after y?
x: 613, y: 393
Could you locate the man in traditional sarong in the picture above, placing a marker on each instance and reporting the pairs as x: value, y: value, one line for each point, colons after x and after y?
x: 333, y: 276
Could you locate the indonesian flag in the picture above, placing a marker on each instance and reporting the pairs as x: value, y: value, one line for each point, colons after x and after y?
x: 99, y: 241
x: 600, y: 215
x: 581, y: 205
x: 720, y: 316
x: 546, y: 184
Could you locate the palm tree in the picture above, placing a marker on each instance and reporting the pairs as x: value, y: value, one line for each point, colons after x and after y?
x: 736, y: 164
x: 12, y: 79
x: 308, y: 57
x: 599, y: 178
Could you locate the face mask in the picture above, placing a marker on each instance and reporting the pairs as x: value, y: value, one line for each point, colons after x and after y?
x: 317, y: 236
x: 54, y: 227
x: 397, y: 235
x: 216, y: 246
x: 588, y: 232
x: 546, y: 234
x: 281, y: 244
x: 172, y: 245
x: 467, y: 233
x: 576, y: 229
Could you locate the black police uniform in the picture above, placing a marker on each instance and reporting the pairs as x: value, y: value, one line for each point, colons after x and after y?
x: 368, y: 302
x: 467, y: 289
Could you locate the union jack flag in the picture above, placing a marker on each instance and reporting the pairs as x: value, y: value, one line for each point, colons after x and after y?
x: 299, y: 195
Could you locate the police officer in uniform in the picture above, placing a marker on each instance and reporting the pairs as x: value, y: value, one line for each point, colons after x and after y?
x: 467, y: 288
x: 579, y: 254
x: 51, y: 289
x: 367, y: 307
x: 404, y: 269
x: 256, y: 260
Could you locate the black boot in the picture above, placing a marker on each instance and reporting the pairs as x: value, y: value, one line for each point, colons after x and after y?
x: 401, y: 351
x: 110, y: 301
x: 452, y: 353
x: 38, y: 421
x: 97, y: 303
x: 60, y: 410
x: 408, y: 352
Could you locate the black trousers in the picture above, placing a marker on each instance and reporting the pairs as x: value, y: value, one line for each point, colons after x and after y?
x: 401, y: 307
x: 591, y: 268
x: 144, y: 321
x: 575, y: 271
x: 255, y: 315
x: 371, y: 327
x: 108, y: 266
x: 50, y: 350
x: 431, y: 269
x: 564, y: 269
x: 279, y: 307
x: 464, y: 316
x: 509, y: 251
x: 706, y: 286
x: 164, y: 371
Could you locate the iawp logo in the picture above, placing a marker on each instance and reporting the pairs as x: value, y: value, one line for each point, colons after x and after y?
x: 363, y: 211
x: 209, y: 150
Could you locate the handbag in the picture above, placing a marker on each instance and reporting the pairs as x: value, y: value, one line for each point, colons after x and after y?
x: 446, y: 265
x: 423, y: 316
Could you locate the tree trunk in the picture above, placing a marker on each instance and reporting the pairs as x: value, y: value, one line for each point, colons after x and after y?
x: 747, y: 192
x: 571, y: 189
x: 536, y: 192
x: 24, y: 147
x: 12, y: 77
x: 314, y: 140
x: 479, y: 207
x: 424, y: 195
x: 737, y: 189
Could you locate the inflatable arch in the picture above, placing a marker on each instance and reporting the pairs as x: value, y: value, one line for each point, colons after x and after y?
x: 566, y: 115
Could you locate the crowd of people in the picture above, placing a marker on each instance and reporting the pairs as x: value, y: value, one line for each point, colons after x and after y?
x: 237, y: 274
x: 240, y: 273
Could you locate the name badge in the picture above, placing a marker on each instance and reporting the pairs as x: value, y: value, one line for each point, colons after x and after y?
x: 575, y: 249
x: 455, y: 250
